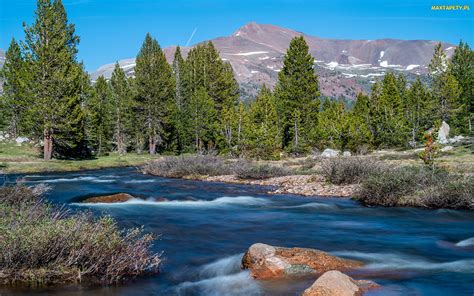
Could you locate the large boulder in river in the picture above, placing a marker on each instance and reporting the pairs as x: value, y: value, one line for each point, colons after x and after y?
x: 335, y: 283
x: 268, y: 262
x: 119, y: 197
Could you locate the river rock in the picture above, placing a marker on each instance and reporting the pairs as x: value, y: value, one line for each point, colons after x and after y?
x: 335, y: 283
x: 119, y: 197
x: 347, y: 154
x: 443, y: 133
x: 269, y: 262
x: 447, y: 148
x: 330, y: 153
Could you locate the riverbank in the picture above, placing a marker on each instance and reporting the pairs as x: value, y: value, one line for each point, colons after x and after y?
x: 385, y: 178
x: 25, y: 158
x: 42, y: 244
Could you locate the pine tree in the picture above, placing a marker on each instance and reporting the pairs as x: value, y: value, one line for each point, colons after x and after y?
x: 297, y: 93
x: 155, y: 88
x: 419, y: 108
x: 14, y: 101
x: 331, y: 125
x: 387, y: 113
x: 100, y: 121
x: 207, y: 71
x: 263, y: 138
x: 122, y: 103
x: 358, y: 133
x: 202, y: 119
x: 57, y: 80
x: 462, y: 69
x: 445, y: 87
x: 180, y: 116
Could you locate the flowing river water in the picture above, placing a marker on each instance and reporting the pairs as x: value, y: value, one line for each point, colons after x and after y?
x: 206, y: 227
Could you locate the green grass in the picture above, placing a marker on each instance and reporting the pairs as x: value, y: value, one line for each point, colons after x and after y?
x: 27, y: 159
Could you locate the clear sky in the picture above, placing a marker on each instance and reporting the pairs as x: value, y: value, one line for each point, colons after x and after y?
x: 114, y: 29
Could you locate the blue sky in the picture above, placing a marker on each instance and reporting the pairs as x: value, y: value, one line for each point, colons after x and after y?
x: 114, y: 29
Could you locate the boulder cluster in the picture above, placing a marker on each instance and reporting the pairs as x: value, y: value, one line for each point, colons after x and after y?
x: 267, y: 262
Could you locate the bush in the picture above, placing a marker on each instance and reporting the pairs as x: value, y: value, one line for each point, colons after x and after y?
x: 247, y: 170
x: 454, y: 193
x: 181, y: 166
x: 420, y: 187
x: 41, y: 244
x: 349, y: 170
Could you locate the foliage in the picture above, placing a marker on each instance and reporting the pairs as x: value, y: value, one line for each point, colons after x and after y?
x: 41, y: 244
x: 297, y: 94
x: 246, y: 170
x: 190, y: 165
x: 421, y: 187
x: 349, y: 170
x: 155, y: 87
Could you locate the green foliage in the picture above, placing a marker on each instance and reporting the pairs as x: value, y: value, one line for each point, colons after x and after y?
x: 181, y: 135
x: 14, y: 102
x: 56, y: 81
x: 122, y: 109
x: 297, y: 94
x: 263, y: 139
x: 419, y: 110
x: 155, y: 87
x: 203, y: 120
x: 462, y: 69
x: 100, y: 121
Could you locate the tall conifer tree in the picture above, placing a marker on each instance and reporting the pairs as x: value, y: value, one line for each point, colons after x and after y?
x: 297, y: 93
x: 155, y: 88
x: 57, y: 80
x: 122, y: 108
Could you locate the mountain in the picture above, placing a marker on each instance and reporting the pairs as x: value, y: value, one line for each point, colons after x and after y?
x: 345, y: 67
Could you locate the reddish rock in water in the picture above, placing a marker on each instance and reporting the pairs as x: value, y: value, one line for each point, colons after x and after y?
x: 335, y: 283
x: 119, y: 197
x: 268, y: 262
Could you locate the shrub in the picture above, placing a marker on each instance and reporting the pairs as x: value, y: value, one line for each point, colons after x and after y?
x: 387, y: 187
x: 180, y: 166
x: 420, y: 187
x: 349, y: 170
x: 41, y: 244
x: 455, y: 192
x: 248, y: 170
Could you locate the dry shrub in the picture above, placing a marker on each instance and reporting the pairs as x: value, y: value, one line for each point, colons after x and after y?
x: 42, y: 244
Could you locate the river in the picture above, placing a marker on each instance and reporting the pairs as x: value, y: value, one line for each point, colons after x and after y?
x: 206, y: 227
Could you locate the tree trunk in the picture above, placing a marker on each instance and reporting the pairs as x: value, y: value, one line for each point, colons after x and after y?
x: 152, y: 142
x: 48, y: 144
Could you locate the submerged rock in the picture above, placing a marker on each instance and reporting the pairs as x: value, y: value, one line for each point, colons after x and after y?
x: 119, y: 197
x: 335, y: 283
x: 268, y: 262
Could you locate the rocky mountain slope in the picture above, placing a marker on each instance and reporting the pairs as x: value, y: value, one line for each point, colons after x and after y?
x: 345, y: 67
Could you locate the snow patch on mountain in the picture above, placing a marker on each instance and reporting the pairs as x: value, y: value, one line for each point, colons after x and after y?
x: 411, y: 67
x: 247, y: 53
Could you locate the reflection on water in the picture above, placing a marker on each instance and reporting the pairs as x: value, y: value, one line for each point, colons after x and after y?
x: 206, y: 227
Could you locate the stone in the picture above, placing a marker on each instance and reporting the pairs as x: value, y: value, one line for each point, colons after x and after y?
x: 330, y: 153
x: 113, y: 198
x: 456, y: 139
x: 443, y: 133
x: 335, y: 283
x: 269, y: 262
x: 347, y: 154
x: 21, y: 140
x: 447, y: 148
